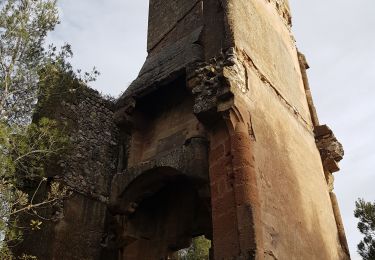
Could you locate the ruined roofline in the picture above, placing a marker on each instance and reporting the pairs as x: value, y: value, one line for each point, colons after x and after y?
x: 181, y: 38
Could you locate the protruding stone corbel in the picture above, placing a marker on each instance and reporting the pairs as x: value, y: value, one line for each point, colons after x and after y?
x: 205, y: 80
x: 214, y: 84
x: 331, y: 150
x: 123, y: 116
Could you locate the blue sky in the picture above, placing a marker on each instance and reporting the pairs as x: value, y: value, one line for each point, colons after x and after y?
x: 337, y: 37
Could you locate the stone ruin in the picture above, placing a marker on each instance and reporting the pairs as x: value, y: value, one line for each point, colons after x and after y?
x: 218, y: 136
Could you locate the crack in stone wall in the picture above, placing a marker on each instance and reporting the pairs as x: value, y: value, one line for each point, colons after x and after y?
x: 268, y: 83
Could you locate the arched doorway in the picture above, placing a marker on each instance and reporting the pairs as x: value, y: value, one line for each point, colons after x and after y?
x: 160, y: 212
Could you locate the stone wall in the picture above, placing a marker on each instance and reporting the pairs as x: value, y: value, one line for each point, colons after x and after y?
x: 291, y: 179
x: 268, y: 188
x: 94, y: 137
x: 86, y: 169
x: 218, y: 136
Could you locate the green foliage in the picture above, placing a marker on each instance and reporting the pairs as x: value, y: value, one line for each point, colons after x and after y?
x: 199, y: 250
x: 25, y: 150
x: 58, y: 81
x: 365, y: 212
x: 24, y: 61
x: 24, y: 25
x: 31, y: 76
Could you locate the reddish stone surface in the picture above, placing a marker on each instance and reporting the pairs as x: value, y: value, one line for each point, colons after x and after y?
x: 217, y: 139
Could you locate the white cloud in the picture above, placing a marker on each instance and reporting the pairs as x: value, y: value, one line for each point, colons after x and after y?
x: 110, y: 35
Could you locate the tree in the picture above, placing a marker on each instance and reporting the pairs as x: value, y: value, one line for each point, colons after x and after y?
x: 365, y: 212
x: 30, y: 73
x: 199, y: 250
x: 24, y: 25
x: 24, y: 153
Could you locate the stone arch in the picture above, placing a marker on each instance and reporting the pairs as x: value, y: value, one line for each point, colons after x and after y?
x: 159, y: 212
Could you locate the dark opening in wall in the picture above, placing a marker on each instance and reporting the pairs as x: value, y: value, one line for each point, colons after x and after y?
x: 167, y: 221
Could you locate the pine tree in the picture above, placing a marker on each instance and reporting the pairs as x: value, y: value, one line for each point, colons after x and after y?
x: 365, y: 212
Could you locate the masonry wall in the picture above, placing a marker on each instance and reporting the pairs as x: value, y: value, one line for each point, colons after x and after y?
x: 269, y: 196
x: 223, y: 79
x: 296, y: 210
x: 292, y: 183
x: 89, y: 167
x: 165, y: 123
x: 224, y: 208
x: 78, y: 227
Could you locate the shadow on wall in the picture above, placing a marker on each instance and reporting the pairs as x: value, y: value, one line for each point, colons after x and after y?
x: 164, y: 211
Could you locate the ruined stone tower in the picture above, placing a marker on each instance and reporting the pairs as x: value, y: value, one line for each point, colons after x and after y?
x: 218, y: 136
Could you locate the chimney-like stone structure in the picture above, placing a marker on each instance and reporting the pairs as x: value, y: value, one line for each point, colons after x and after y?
x: 218, y: 136
x: 225, y: 86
